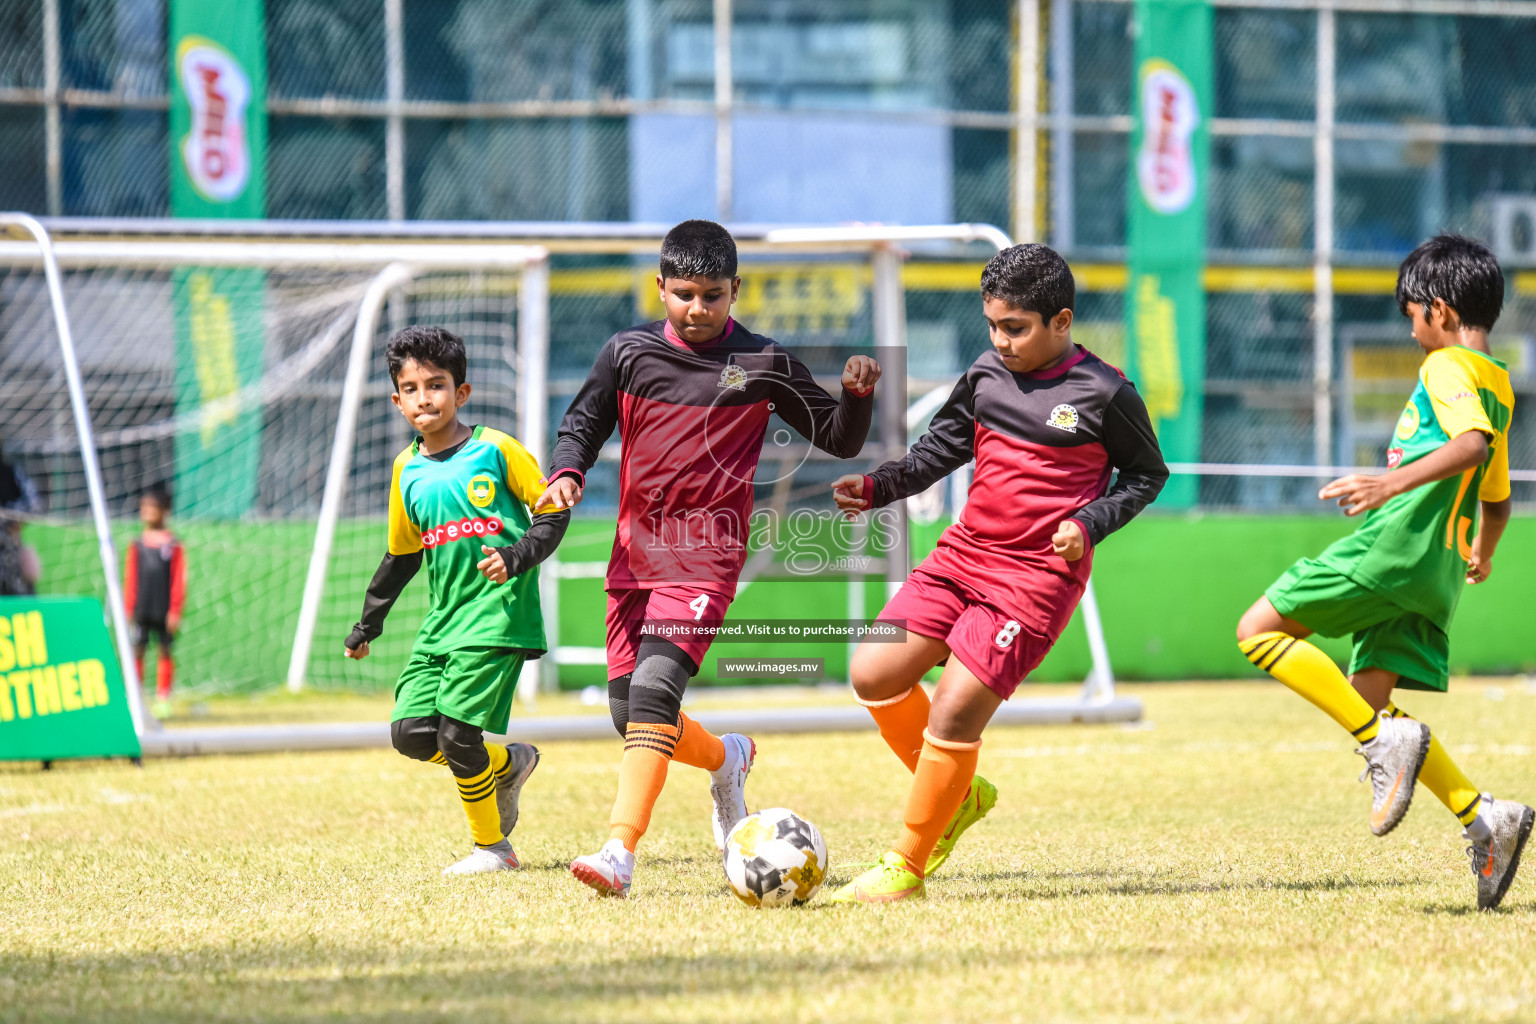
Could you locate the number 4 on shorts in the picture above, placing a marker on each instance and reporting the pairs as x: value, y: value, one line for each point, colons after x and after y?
x: 698, y: 605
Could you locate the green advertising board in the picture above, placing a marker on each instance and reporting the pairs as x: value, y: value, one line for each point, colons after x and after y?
x: 1169, y: 179
x: 61, y: 690
x: 218, y: 169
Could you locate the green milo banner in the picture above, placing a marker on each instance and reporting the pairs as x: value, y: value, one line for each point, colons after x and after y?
x: 1170, y: 160
x: 61, y: 693
x: 218, y: 169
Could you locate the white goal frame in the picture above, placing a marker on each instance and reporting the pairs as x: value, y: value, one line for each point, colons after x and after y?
x: 397, y: 264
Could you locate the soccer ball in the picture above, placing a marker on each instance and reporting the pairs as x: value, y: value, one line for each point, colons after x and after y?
x: 775, y: 858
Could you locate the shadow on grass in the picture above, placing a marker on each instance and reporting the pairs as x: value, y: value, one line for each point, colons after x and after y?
x: 1469, y: 909
x: 293, y: 982
x: 1126, y: 883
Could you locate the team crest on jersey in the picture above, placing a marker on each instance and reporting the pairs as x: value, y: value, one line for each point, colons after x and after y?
x: 482, y: 490
x: 733, y: 376
x: 1063, y: 417
x: 1408, y: 423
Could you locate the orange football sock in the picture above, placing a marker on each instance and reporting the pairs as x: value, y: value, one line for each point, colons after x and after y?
x: 943, y: 777
x: 902, y: 721
x: 165, y: 672
x: 697, y: 746
x: 647, y: 753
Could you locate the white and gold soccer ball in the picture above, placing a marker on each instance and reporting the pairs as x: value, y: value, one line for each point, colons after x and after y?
x: 775, y: 858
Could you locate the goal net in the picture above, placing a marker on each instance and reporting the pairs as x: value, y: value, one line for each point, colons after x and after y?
x: 219, y: 371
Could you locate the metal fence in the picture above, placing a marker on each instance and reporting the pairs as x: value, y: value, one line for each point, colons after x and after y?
x: 1344, y: 133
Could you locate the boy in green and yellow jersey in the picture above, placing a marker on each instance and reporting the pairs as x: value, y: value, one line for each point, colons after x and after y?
x: 461, y: 499
x: 1393, y: 584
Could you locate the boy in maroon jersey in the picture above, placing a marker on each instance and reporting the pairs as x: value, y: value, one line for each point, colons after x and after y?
x: 1048, y: 423
x: 691, y: 396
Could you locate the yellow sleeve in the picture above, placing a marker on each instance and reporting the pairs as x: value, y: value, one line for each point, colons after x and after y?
x: 1452, y: 388
x: 404, y: 535
x: 1495, y: 485
x: 523, y: 475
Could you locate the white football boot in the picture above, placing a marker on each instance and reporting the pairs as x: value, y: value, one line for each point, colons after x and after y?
x: 1497, y: 837
x: 728, y: 785
x: 1392, y: 763
x: 522, y: 759
x: 485, y: 859
x: 610, y: 870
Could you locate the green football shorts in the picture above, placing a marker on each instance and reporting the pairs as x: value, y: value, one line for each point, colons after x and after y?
x: 1385, y: 635
x: 474, y: 685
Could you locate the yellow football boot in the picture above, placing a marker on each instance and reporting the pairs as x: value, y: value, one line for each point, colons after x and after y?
x: 889, y: 880
x: 981, y: 799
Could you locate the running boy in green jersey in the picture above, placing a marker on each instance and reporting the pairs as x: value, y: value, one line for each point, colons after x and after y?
x: 1393, y: 584
x: 461, y: 500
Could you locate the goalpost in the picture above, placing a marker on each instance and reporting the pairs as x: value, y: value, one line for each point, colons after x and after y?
x: 299, y: 443
x: 235, y: 372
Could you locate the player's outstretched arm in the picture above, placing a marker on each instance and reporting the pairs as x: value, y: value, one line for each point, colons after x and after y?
x: 838, y: 426
x: 586, y: 427
x: 535, y: 545
x: 394, y: 572
x: 948, y: 444
x: 1132, y: 447
x: 1361, y: 492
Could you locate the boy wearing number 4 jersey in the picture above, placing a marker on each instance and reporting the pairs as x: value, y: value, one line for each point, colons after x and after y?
x: 1393, y: 584
x: 1047, y: 423
x: 691, y: 396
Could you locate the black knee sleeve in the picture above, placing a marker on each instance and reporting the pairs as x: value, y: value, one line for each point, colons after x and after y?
x: 415, y: 737
x: 656, y: 687
x: 463, y: 747
x: 618, y: 702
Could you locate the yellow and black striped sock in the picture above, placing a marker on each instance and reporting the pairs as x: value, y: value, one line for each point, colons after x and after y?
x: 437, y: 758
x: 501, y: 761
x: 478, y: 794
x: 1313, y: 674
x: 1442, y: 777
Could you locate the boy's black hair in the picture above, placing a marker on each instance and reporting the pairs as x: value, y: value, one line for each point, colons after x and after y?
x: 698, y: 248
x: 1461, y: 271
x: 159, y: 494
x: 427, y: 344
x: 1031, y: 277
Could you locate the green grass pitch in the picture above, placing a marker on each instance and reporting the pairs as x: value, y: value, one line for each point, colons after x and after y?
x: 1214, y: 864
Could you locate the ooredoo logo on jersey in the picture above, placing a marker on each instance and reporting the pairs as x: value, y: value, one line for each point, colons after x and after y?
x: 460, y: 529
x: 216, y: 152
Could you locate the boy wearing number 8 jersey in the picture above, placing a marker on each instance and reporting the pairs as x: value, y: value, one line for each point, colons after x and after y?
x: 1047, y: 423
x: 1392, y: 585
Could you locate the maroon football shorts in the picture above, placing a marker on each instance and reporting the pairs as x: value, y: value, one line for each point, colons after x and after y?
x: 688, y: 615
x: 993, y: 644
